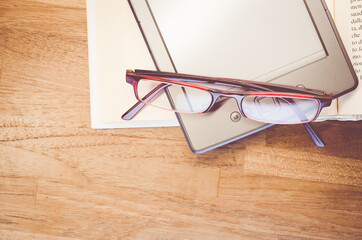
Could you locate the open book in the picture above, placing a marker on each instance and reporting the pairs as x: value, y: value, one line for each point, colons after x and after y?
x: 115, y: 44
x: 348, y: 18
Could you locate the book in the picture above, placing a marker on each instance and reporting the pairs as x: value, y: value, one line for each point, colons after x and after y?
x: 348, y: 19
x: 115, y: 44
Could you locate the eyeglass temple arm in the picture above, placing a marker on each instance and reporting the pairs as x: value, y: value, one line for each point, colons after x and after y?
x: 314, y: 135
x: 135, y: 109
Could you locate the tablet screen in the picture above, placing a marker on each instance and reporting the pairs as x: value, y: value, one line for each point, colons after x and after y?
x: 248, y: 39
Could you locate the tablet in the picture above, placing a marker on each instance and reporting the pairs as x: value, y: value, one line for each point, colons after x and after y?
x: 292, y: 42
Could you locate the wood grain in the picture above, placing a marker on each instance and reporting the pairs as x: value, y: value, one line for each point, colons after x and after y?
x: 59, y: 179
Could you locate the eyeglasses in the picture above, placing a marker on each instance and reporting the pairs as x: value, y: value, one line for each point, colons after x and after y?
x: 259, y: 101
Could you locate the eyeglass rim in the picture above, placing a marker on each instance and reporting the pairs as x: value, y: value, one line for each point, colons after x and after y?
x: 137, y: 74
x: 240, y: 104
x: 135, y: 109
x: 132, y: 77
x: 318, y: 110
x: 218, y: 93
x: 238, y: 97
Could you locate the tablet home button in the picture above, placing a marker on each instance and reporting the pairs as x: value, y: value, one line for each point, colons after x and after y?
x: 235, y: 116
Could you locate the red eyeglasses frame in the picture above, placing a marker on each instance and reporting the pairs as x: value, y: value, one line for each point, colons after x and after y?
x: 246, y: 88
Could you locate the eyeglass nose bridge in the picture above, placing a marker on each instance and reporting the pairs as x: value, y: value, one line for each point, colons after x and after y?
x: 218, y: 99
x: 239, y: 99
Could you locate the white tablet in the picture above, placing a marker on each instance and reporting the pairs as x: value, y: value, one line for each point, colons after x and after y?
x: 291, y: 42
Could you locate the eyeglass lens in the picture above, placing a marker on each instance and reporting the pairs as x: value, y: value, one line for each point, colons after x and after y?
x: 185, y: 99
x: 269, y: 109
x: 280, y: 110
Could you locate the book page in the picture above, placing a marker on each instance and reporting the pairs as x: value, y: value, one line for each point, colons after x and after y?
x: 116, y: 44
x: 348, y: 17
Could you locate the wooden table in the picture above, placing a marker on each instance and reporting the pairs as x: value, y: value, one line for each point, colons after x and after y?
x: 59, y: 179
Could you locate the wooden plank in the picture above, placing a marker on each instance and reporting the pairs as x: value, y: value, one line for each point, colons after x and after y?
x: 6, y: 234
x: 247, y: 207
x: 296, y: 164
